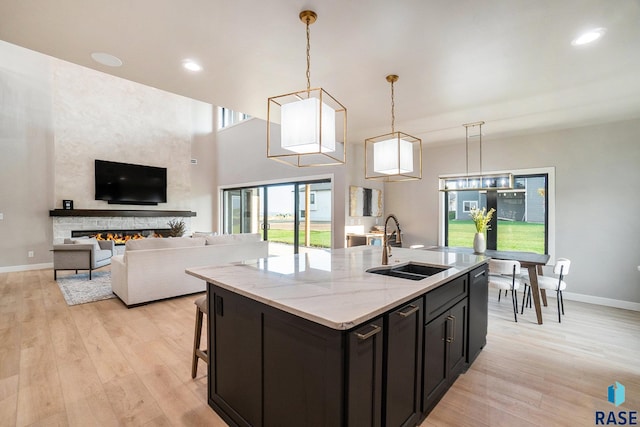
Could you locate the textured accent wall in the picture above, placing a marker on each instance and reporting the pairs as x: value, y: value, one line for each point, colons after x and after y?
x: 98, y: 116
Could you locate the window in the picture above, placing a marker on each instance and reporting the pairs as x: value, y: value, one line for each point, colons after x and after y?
x: 279, y: 213
x: 521, y: 221
x: 468, y: 205
x: 227, y: 117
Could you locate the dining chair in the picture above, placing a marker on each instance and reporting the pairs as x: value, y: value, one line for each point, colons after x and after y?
x: 526, y: 293
x: 550, y: 283
x: 503, y: 275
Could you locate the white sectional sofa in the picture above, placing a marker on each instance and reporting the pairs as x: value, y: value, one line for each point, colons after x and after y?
x: 153, y: 269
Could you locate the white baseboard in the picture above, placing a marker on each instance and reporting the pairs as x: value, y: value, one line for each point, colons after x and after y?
x: 627, y: 305
x: 27, y: 267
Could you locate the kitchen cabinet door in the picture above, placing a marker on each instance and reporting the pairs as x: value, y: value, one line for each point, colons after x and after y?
x: 478, y: 311
x: 435, y: 361
x: 403, y: 364
x: 235, y: 362
x: 364, y: 384
x: 303, y: 376
x: 444, y: 353
x: 457, y: 345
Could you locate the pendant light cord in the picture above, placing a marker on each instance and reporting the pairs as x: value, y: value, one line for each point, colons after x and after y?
x: 480, y: 146
x: 466, y: 138
x: 393, y: 110
x: 308, y: 57
x: 466, y: 127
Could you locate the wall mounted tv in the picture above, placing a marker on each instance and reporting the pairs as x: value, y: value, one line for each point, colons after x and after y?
x: 128, y: 184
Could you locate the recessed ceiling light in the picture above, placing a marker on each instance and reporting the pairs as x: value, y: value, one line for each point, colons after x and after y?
x: 106, y: 59
x: 589, y: 37
x: 191, y: 65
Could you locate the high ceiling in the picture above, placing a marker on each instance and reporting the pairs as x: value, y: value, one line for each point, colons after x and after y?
x: 507, y: 62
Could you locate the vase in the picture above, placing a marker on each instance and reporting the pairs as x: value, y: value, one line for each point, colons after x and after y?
x: 479, y: 244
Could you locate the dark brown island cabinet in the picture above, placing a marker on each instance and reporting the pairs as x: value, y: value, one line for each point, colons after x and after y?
x: 272, y: 368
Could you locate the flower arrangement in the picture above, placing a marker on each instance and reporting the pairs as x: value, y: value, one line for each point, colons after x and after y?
x: 481, y: 218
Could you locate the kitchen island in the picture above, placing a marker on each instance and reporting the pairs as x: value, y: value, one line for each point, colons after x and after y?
x: 315, y: 339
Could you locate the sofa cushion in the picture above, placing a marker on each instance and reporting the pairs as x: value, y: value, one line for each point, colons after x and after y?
x: 170, y: 242
x: 204, y: 233
x: 228, y: 239
x: 103, y: 254
x: 84, y: 241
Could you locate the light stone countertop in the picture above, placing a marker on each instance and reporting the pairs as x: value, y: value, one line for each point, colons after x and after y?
x: 332, y: 288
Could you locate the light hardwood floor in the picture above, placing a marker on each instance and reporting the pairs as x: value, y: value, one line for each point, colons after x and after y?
x: 102, y: 364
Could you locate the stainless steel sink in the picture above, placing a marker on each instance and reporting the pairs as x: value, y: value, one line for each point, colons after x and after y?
x: 410, y: 271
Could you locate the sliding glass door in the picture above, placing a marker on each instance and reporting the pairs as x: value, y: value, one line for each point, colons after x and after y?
x: 281, y: 223
x: 242, y: 212
x: 293, y: 217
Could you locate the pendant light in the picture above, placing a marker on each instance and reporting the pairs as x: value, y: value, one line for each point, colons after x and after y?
x: 307, y: 127
x: 395, y: 156
x: 476, y: 182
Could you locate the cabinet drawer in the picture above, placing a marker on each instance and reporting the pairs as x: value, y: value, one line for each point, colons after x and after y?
x: 443, y: 297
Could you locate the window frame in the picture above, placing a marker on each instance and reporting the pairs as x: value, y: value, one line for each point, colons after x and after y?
x: 550, y: 200
x: 227, y: 118
x: 297, y: 183
x: 469, y: 208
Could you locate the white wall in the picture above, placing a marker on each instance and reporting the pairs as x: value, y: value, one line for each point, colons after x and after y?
x: 203, y: 173
x: 26, y: 150
x: 597, y: 200
x: 241, y: 151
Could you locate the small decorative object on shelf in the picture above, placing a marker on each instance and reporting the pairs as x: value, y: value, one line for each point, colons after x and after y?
x: 177, y: 228
x: 481, y: 218
x: 67, y: 204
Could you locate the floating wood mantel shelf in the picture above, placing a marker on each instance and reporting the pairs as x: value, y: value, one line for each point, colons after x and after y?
x: 119, y: 212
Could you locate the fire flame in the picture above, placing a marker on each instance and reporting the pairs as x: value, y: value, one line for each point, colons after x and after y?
x: 120, y: 239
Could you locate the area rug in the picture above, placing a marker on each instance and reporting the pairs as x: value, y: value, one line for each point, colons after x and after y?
x: 78, y: 289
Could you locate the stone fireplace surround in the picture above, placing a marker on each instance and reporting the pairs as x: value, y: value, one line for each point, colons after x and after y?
x: 66, y: 221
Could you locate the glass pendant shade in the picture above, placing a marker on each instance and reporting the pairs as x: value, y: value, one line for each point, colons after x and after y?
x: 308, y: 126
x: 393, y: 157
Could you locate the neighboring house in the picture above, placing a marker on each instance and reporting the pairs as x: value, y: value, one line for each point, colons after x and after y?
x: 320, y: 203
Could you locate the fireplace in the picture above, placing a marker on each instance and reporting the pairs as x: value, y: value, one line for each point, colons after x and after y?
x: 66, y: 222
x: 120, y: 237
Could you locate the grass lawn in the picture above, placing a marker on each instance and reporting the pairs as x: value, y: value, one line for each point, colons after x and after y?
x: 512, y: 235
x: 319, y: 239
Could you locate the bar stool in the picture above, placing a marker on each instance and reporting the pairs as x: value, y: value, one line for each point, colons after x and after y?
x: 201, y: 308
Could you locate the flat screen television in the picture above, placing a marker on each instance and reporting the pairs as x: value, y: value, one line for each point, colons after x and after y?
x: 129, y: 184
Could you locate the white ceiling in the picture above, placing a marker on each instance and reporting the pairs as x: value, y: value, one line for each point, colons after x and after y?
x: 507, y: 62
